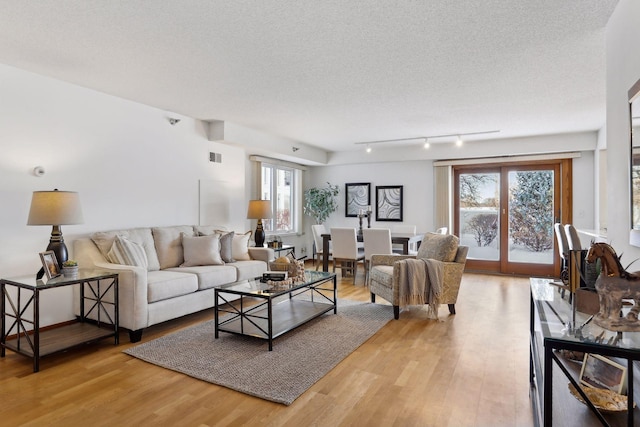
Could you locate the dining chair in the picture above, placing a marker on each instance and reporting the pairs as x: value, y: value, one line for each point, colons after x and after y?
x: 346, y: 253
x: 318, y: 230
x: 572, y: 238
x: 405, y: 229
x: 377, y: 241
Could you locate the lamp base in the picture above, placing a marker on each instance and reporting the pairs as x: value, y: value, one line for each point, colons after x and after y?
x: 56, y: 244
x: 259, y: 237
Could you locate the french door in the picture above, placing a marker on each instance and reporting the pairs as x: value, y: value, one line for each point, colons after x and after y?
x: 505, y: 214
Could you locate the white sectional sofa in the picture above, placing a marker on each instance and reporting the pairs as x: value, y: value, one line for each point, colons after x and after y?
x: 168, y: 272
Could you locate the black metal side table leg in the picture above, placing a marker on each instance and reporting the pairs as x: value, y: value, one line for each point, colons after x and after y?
x: 548, y: 386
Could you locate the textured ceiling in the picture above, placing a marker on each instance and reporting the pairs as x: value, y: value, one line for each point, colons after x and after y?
x: 330, y: 73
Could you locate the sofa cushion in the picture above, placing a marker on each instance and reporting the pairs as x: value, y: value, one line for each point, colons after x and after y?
x: 126, y: 252
x: 441, y: 247
x: 168, y: 241
x: 249, y: 269
x: 169, y: 284
x: 209, y: 276
x: 206, y: 230
x: 226, y: 245
x: 201, y: 250
x: 104, y: 241
x: 240, y: 247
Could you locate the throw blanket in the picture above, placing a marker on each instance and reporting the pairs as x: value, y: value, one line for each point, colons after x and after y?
x: 420, y: 282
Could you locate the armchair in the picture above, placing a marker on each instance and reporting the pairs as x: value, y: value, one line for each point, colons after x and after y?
x: 384, y: 272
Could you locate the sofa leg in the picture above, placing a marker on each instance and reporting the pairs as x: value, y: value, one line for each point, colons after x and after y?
x: 135, y: 336
x: 373, y: 297
x: 452, y: 308
x: 396, y: 312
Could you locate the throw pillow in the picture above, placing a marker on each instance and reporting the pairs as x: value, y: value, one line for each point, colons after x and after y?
x: 125, y: 252
x: 203, y: 250
x: 240, y: 249
x: 441, y: 247
x: 226, y: 245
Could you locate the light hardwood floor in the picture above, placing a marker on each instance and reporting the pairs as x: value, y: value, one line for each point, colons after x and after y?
x: 471, y: 369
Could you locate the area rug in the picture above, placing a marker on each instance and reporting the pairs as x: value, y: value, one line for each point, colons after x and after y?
x: 299, y: 358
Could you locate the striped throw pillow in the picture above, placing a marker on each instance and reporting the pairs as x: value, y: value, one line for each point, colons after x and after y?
x: 125, y: 252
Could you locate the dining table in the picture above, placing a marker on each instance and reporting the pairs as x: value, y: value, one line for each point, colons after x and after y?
x: 404, y: 239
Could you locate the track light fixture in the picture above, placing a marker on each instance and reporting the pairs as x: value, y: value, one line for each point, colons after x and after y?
x: 425, y: 139
x: 173, y: 121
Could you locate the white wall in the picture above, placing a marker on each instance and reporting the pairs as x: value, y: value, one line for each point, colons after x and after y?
x: 417, y: 179
x: 130, y: 166
x: 623, y: 70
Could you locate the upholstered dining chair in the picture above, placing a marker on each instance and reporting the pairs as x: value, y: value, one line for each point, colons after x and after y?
x: 318, y: 230
x: 346, y: 253
x: 573, y: 239
x: 408, y: 229
x: 376, y: 241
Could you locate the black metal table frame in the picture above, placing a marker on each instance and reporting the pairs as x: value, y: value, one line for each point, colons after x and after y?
x: 551, y: 344
x: 19, y: 308
x: 241, y: 313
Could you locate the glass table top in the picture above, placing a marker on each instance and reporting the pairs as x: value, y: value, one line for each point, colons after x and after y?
x: 556, y: 319
x: 258, y: 288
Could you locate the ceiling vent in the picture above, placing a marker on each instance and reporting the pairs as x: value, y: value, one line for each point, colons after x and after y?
x: 215, y: 157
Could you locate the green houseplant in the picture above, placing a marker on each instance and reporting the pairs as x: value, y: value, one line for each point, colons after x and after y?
x: 321, y: 202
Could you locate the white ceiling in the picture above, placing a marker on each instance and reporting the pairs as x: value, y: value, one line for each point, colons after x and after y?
x: 333, y: 72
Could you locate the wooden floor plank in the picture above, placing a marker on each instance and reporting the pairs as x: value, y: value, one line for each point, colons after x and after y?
x: 470, y: 369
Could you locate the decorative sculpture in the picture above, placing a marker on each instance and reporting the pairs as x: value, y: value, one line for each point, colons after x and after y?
x: 613, y: 285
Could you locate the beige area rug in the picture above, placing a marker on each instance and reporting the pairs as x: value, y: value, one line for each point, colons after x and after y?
x: 299, y: 358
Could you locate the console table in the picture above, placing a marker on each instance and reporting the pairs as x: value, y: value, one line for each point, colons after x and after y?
x: 550, y: 331
x: 20, y: 312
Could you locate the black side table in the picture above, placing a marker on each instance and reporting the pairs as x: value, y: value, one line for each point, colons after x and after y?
x: 21, y: 332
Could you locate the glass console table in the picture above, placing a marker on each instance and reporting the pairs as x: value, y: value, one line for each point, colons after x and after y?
x: 550, y: 331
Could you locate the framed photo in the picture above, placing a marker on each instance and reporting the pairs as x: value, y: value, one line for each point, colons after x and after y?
x: 601, y: 372
x: 50, y: 264
x: 389, y: 203
x: 357, y: 198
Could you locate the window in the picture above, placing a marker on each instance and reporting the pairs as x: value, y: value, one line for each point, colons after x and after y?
x: 280, y: 184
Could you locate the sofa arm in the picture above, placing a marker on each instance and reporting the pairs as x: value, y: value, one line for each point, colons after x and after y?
x: 388, y: 259
x: 262, y: 254
x: 132, y: 284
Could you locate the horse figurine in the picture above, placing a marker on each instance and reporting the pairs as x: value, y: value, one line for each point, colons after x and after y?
x: 613, y: 285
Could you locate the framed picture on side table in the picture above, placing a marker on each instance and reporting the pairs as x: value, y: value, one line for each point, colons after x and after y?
x: 602, y: 372
x: 50, y: 264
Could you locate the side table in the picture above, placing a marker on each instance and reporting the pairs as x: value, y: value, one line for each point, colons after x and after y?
x: 21, y: 332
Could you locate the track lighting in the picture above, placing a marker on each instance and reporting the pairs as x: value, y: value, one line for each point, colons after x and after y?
x: 425, y: 139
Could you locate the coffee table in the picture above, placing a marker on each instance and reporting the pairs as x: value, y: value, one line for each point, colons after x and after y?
x: 267, y: 311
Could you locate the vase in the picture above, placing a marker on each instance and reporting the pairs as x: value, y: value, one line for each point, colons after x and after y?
x: 70, y: 271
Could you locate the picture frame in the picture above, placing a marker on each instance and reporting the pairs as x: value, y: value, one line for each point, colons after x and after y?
x: 601, y: 372
x: 389, y: 203
x: 50, y: 264
x: 357, y: 198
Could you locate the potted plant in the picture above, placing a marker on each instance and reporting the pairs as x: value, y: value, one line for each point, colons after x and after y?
x: 321, y: 202
x: 70, y: 268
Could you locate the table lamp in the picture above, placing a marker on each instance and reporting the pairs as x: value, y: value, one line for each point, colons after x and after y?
x: 259, y: 209
x: 55, y: 208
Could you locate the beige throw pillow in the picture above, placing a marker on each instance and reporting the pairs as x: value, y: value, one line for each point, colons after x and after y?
x: 240, y: 249
x: 125, y: 252
x: 441, y: 247
x: 203, y: 250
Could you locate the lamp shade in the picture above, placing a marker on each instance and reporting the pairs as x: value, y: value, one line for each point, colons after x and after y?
x: 259, y: 209
x: 55, y: 208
